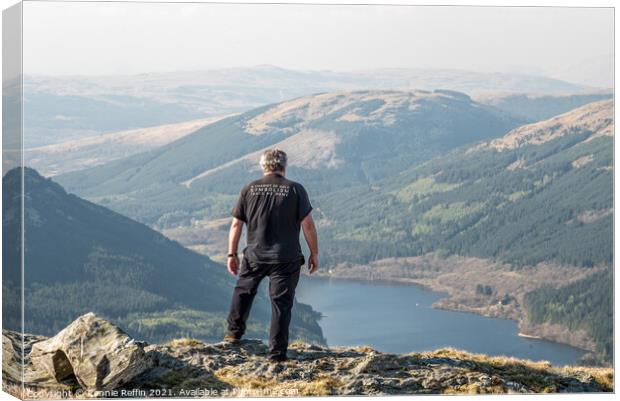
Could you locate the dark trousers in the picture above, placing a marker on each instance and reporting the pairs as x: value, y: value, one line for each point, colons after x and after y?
x: 283, y: 279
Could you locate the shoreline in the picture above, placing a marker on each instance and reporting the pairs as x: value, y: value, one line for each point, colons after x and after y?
x: 540, y: 338
x: 446, y: 296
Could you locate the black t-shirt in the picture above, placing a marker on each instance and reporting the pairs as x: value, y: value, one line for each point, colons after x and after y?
x: 273, y: 208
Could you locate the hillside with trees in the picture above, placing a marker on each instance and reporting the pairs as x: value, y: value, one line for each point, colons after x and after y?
x: 82, y: 257
x: 543, y: 193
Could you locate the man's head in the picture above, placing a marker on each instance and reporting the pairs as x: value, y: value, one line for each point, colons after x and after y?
x: 273, y: 161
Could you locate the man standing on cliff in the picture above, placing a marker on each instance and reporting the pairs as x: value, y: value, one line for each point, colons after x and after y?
x: 274, y: 209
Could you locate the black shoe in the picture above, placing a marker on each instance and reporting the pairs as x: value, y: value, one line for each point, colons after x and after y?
x: 277, y: 358
x: 231, y: 339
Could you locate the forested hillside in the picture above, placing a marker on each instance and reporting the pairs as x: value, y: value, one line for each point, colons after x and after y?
x: 520, y: 199
x: 541, y: 193
x: 334, y: 140
x: 82, y: 257
x: 584, y: 305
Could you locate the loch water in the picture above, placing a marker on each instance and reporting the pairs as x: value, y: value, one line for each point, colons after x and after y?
x: 399, y: 318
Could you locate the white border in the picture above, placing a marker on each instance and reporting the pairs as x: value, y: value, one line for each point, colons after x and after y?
x: 489, y: 3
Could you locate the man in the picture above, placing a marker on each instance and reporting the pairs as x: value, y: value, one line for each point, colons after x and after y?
x: 274, y: 208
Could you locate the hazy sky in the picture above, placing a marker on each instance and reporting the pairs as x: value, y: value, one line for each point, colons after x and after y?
x: 113, y: 38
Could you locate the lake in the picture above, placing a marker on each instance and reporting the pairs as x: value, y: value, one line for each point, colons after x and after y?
x: 399, y: 318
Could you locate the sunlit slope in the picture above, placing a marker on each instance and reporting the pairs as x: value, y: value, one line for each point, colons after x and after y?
x: 335, y: 140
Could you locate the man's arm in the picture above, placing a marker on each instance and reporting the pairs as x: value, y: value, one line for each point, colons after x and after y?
x: 236, y: 227
x: 307, y: 224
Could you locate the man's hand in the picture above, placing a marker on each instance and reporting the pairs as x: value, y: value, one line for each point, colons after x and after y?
x: 313, y: 263
x: 233, y: 265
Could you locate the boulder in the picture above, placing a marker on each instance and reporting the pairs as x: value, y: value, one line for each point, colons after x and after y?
x: 100, y: 355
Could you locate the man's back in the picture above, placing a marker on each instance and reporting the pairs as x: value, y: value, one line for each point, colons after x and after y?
x: 273, y: 208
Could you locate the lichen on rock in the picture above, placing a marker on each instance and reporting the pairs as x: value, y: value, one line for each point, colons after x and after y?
x: 98, y: 354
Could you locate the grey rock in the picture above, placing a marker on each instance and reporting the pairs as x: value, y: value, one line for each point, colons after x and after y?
x: 97, y: 353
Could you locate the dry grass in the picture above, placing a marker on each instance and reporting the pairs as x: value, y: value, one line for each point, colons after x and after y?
x: 186, y: 379
x: 321, y: 385
x: 184, y: 342
x: 230, y: 375
x: 533, y: 374
x: 482, y: 358
x: 364, y: 348
x: 603, y: 376
x: 474, y: 388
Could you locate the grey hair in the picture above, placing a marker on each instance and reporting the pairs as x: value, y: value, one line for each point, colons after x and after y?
x: 273, y: 160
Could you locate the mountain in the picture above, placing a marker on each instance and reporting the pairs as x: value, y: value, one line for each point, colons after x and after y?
x: 188, y: 368
x: 90, y: 151
x: 537, y: 107
x: 78, y: 154
x: 83, y: 257
x: 507, y: 197
x: 425, y: 187
x: 335, y: 140
x: 525, y: 222
x: 60, y: 108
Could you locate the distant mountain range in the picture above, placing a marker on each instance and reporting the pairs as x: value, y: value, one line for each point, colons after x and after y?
x: 83, y: 257
x: 58, y: 109
x: 82, y: 153
x: 335, y: 140
x: 90, y: 151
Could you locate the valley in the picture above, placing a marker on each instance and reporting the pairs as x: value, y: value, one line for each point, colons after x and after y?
x: 505, y: 208
x: 81, y: 257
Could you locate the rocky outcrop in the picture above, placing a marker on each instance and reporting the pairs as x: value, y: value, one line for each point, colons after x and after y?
x: 98, y: 354
x: 190, y: 368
